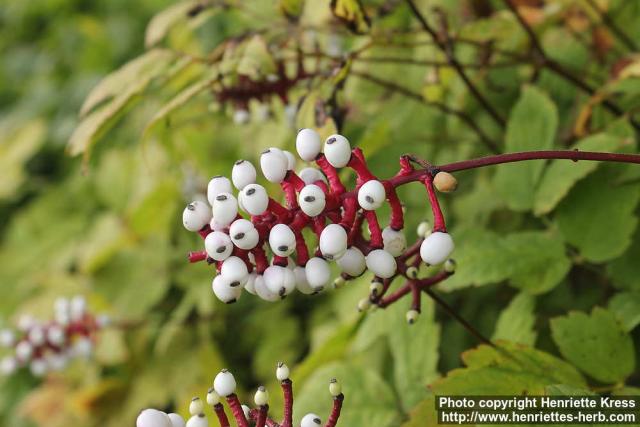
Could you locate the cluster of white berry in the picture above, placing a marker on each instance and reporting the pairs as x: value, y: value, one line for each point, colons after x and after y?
x: 224, y: 388
x: 45, y: 346
x: 315, y: 198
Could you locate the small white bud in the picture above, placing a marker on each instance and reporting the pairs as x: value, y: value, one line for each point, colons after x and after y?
x: 213, y: 398
x: 318, y: 273
x: 311, y: 176
x: 308, y: 144
x: 218, y: 245
x: 371, y: 195
x: 153, y: 418
x: 225, y: 209
x: 196, y: 406
x: 196, y: 215
x: 282, y: 240
x: 224, y: 383
x: 243, y: 234
x: 36, y: 336
x: 375, y: 288
x: 338, y: 282
x: 273, y: 163
x: 436, y: 248
x: 412, y: 316
x: 261, y: 397
x: 241, y: 117
x: 352, y: 262
x: 412, y: 272
x: 218, y: 184
x: 224, y: 291
x: 26, y: 322
x: 450, y: 265
x: 333, y: 241
x: 364, y: 304
x: 337, y: 151
x: 394, y: 241
x: 24, y: 351
x: 279, y: 280
x: 38, y: 367
x: 7, y: 338
x: 310, y: 420
x: 381, y: 263
x: 243, y: 174
x: 78, y: 308
x: 424, y: 229
x: 254, y: 199
x: 176, y: 420
x: 8, y: 365
x: 335, y: 388
x: 312, y: 200
x: 282, y: 372
x: 235, y: 271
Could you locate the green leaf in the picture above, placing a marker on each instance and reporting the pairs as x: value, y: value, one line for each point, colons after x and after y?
x: 161, y: 24
x: 352, y: 13
x: 532, y: 126
x: 368, y: 399
x: 415, y: 352
x: 626, y: 307
x: 561, y: 175
x: 17, y: 145
x: 598, y: 216
x: 141, y: 69
x: 292, y: 9
x: 596, y: 344
x: 625, y: 270
x: 516, y: 322
x: 257, y: 61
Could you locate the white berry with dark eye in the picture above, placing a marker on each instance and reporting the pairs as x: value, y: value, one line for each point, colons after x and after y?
x: 282, y: 240
x: 312, y: 200
x: 235, y: 271
x: 302, y: 284
x: 318, y: 273
x: 352, y: 262
x: 243, y: 234
x: 224, y: 383
x: 310, y: 420
x: 337, y: 150
x: 196, y: 215
x: 223, y: 289
x: 279, y: 280
x: 381, y: 263
x: 311, y: 175
x: 263, y: 291
x: 371, y: 195
x: 308, y: 144
x: 394, y: 241
x: 436, y: 248
x: 333, y: 241
x: 243, y: 174
x: 274, y: 164
x: 218, y: 245
x: 153, y: 418
x: 218, y: 184
x: 225, y: 209
x: 254, y: 199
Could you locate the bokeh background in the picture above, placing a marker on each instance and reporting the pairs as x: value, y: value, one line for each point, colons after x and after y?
x: 91, y: 201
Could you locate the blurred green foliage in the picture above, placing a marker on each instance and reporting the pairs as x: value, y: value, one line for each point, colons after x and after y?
x: 539, y: 245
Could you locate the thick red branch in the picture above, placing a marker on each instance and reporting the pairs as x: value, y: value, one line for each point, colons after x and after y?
x: 335, y: 411
x: 287, y: 392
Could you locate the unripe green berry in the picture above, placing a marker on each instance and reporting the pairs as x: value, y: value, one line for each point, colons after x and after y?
x: 450, y: 265
x: 335, y: 388
x: 412, y: 316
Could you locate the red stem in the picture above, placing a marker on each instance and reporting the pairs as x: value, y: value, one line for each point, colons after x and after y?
x: 356, y: 228
x: 359, y: 165
x: 438, y: 218
x: 335, y: 411
x: 204, y: 232
x: 197, y: 256
x: 350, y: 207
x: 397, y: 216
x: 287, y: 392
x: 261, y: 258
x: 262, y: 416
x: 289, y: 194
x: 222, y: 416
x: 236, y: 409
x: 295, y: 180
x: 374, y: 230
x: 331, y: 173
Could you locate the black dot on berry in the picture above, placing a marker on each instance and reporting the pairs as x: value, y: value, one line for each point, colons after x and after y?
x: 282, y: 292
x: 251, y: 191
x: 266, y: 151
x: 317, y: 421
x: 221, y: 198
x: 309, y: 199
x: 221, y: 249
x: 369, y: 199
x: 231, y: 301
x: 331, y: 141
x: 191, y: 207
x: 239, y: 162
x: 283, y: 248
x: 238, y: 236
x: 234, y: 284
x: 217, y: 176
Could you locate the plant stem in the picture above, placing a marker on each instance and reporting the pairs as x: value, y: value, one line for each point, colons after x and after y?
x: 287, y: 392
x: 335, y: 411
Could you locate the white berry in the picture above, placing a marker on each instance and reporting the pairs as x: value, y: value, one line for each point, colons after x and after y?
x: 282, y: 372
x: 7, y: 338
x: 310, y: 420
x: 352, y: 262
x: 263, y: 291
x: 198, y: 421
x: 24, y: 351
x: 225, y: 209
x: 78, y: 308
x: 337, y: 151
x: 218, y: 245
x: 176, y: 420
x: 243, y: 234
x: 394, y: 241
x: 218, y: 184
x: 243, y: 174
x: 279, y: 280
x: 318, y: 273
x: 333, y: 241
x: 312, y: 200
x: 302, y: 284
x: 8, y: 365
x: 196, y: 406
x: 308, y: 144
x: 196, y: 215
x: 335, y: 388
x: 36, y: 336
x: 436, y: 248
x: 291, y: 160
x: 282, y: 240
x: 213, y: 398
x: 274, y: 163
x: 235, y: 271
x: 311, y: 175
x: 423, y: 229
x: 371, y: 195
x: 153, y: 418
x: 224, y: 291
x: 381, y: 263
x: 261, y: 397
x: 224, y: 383
x: 254, y: 199
x: 241, y: 117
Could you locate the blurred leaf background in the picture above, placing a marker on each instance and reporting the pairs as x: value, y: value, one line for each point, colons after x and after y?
x: 547, y: 251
